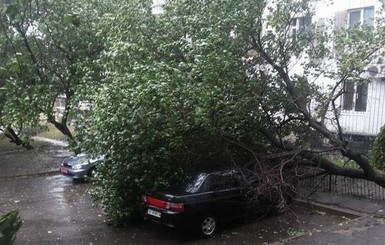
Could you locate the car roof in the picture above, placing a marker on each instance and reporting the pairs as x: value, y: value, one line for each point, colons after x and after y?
x: 218, y: 170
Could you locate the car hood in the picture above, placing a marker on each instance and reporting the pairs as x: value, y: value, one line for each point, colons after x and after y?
x: 74, y: 160
x: 82, y: 159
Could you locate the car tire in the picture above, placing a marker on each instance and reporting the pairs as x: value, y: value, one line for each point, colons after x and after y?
x: 91, y: 172
x: 207, y: 226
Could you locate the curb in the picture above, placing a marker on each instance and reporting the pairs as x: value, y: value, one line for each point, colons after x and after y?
x: 332, y: 209
x: 24, y: 176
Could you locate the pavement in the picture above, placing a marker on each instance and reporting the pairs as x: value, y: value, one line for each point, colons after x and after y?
x: 366, y: 226
x: 19, y: 162
x: 55, y: 211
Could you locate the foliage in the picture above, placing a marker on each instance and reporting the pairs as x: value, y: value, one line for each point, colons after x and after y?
x: 47, y: 51
x: 209, y: 82
x: 377, y: 153
x: 197, y: 83
x: 9, y: 225
x: 178, y: 95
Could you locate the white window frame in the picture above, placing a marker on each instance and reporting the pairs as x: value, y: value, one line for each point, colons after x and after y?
x: 362, y: 15
x: 297, y: 29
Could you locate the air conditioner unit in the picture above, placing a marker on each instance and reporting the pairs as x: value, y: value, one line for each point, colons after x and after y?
x: 375, y: 71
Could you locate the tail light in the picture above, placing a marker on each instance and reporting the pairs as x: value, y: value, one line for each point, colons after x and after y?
x: 172, y: 206
x: 176, y: 206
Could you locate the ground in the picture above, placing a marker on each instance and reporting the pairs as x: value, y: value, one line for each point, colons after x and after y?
x: 57, y: 211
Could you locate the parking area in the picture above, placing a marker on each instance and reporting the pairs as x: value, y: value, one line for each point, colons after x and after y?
x: 57, y: 211
x: 54, y: 210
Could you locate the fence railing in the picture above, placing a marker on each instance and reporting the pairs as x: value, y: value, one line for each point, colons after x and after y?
x: 345, y: 186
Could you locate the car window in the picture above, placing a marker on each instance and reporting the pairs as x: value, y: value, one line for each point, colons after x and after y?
x: 204, y: 182
x: 236, y: 180
x: 214, y: 182
x: 193, y: 184
x: 220, y: 181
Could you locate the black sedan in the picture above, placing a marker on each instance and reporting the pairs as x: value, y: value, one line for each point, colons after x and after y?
x: 205, y: 200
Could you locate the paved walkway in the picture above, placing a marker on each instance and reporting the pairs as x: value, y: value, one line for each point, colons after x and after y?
x: 368, y: 228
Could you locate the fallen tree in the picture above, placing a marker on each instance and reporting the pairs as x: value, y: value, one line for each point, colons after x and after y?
x: 208, y: 82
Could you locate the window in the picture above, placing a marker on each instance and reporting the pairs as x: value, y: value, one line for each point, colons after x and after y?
x: 221, y: 181
x: 355, y: 96
x: 357, y: 17
x: 299, y: 26
x: 348, y: 96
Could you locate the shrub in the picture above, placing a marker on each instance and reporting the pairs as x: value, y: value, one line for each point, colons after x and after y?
x: 377, y: 153
x: 9, y: 225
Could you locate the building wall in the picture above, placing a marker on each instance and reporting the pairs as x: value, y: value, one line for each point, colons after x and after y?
x: 325, y: 9
x: 370, y: 121
x: 366, y: 123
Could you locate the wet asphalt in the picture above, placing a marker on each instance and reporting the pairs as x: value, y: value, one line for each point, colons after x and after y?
x: 55, y: 210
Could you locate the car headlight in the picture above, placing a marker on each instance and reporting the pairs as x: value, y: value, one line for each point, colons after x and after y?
x: 78, y: 166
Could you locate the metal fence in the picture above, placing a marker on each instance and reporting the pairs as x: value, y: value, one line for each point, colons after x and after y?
x: 342, y: 185
x: 345, y: 186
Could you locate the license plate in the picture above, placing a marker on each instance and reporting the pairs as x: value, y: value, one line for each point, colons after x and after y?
x: 64, y: 171
x: 154, y: 213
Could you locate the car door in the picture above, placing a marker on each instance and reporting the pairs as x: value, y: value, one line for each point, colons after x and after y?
x: 226, y: 196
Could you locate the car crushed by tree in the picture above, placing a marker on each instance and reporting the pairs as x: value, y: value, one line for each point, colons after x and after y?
x: 208, y: 198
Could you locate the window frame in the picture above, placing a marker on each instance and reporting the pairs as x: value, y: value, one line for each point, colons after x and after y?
x: 361, y: 21
x: 352, y: 97
x: 300, y: 25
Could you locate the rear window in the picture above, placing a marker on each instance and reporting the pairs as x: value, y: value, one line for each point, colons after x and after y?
x: 193, y: 183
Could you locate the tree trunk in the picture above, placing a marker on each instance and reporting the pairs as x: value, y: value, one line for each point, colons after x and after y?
x: 316, y: 161
x: 63, y: 128
x: 14, y: 138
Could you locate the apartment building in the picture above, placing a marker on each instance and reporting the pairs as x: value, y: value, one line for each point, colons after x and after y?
x: 362, y: 105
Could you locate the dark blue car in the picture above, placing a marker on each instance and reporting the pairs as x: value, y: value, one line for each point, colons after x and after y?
x: 203, y: 201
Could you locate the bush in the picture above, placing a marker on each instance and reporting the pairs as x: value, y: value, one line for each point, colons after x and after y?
x: 377, y: 153
x: 9, y: 225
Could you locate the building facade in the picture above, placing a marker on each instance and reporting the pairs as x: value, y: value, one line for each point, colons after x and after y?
x: 362, y: 105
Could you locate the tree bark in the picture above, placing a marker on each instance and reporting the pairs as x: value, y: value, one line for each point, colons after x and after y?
x: 14, y: 138
x: 63, y: 128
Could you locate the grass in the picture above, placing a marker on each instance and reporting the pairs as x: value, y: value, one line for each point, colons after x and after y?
x: 50, y: 133
x: 53, y: 133
x: 5, y: 145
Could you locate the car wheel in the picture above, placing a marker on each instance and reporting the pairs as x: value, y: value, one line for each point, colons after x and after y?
x: 91, y: 172
x: 207, y: 226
